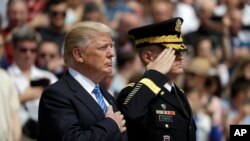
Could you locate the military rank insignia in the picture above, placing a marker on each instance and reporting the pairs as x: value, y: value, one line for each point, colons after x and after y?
x: 164, y: 112
x: 164, y: 115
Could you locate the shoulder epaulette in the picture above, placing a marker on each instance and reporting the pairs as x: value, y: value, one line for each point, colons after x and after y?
x: 151, y: 85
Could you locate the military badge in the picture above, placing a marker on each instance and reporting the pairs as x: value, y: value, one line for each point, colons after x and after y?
x: 166, y: 118
x: 178, y: 25
x: 163, y: 106
x: 166, y: 138
x: 163, y: 112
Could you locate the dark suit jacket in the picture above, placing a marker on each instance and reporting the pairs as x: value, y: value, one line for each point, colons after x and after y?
x: 152, y: 113
x: 67, y: 112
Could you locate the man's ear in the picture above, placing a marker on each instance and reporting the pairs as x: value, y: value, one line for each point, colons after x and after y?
x: 147, y: 57
x: 77, y: 55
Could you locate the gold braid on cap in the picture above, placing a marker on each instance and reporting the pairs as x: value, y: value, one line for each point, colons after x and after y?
x: 159, y: 39
x: 175, y: 46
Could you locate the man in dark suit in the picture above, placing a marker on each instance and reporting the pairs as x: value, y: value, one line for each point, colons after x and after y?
x: 75, y: 108
x: 155, y: 109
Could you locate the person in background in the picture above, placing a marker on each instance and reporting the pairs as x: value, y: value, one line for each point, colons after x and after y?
x: 242, y: 69
x: 76, y: 107
x: 9, y: 106
x: 56, y: 29
x: 207, y: 26
x: 154, y: 105
x: 236, y: 107
x: 49, y: 58
x: 92, y: 12
x: 204, y: 49
x: 128, y: 64
x: 127, y: 58
x: 162, y: 10
x: 202, y: 119
x: 29, y: 81
x: 240, y: 104
x: 114, y: 10
x: 199, y: 78
x: 17, y: 13
x: 74, y: 12
x: 236, y: 42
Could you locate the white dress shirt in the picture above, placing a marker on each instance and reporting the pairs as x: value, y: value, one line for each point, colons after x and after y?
x: 86, y: 83
x: 168, y: 86
x: 21, y: 83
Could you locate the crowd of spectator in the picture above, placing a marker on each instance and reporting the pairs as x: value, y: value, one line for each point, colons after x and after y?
x: 217, y: 63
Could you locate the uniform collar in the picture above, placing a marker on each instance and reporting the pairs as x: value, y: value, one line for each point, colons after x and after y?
x: 169, y: 86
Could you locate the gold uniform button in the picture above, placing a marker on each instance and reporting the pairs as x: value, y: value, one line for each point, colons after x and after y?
x: 162, y: 93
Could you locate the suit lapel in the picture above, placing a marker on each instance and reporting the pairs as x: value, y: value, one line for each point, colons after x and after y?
x: 81, y: 94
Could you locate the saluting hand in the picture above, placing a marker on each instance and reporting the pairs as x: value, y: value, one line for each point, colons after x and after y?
x: 163, y: 62
x: 117, y: 117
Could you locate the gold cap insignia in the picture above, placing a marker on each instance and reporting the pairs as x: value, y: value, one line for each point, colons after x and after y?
x: 178, y: 25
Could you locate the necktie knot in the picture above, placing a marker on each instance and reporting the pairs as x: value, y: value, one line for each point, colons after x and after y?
x: 97, y: 91
x: 99, y: 98
x: 173, y: 91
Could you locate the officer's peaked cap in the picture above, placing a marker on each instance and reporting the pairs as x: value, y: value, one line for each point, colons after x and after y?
x: 166, y: 33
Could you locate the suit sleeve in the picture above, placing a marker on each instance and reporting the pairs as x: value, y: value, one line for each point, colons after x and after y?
x: 133, y: 100
x: 58, y: 121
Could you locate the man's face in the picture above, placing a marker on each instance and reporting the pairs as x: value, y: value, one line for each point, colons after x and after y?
x: 58, y: 14
x: 17, y: 14
x: 48, y: 52
x: 162, y: 11
x: 98, y: 55
x: 177, y: 67
x: 25, y: 53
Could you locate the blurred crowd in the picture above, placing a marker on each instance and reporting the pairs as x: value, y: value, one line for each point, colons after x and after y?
x: 217, y: 63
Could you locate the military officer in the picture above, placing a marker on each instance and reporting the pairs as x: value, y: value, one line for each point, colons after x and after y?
x: 154, y: 107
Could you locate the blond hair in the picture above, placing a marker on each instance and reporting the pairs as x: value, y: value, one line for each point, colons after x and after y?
x: 81, y: 35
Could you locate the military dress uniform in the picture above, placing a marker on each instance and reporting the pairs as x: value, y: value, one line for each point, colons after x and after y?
x: 152, y: 112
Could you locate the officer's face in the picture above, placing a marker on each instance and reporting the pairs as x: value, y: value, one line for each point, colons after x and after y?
x: 177, y: 67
